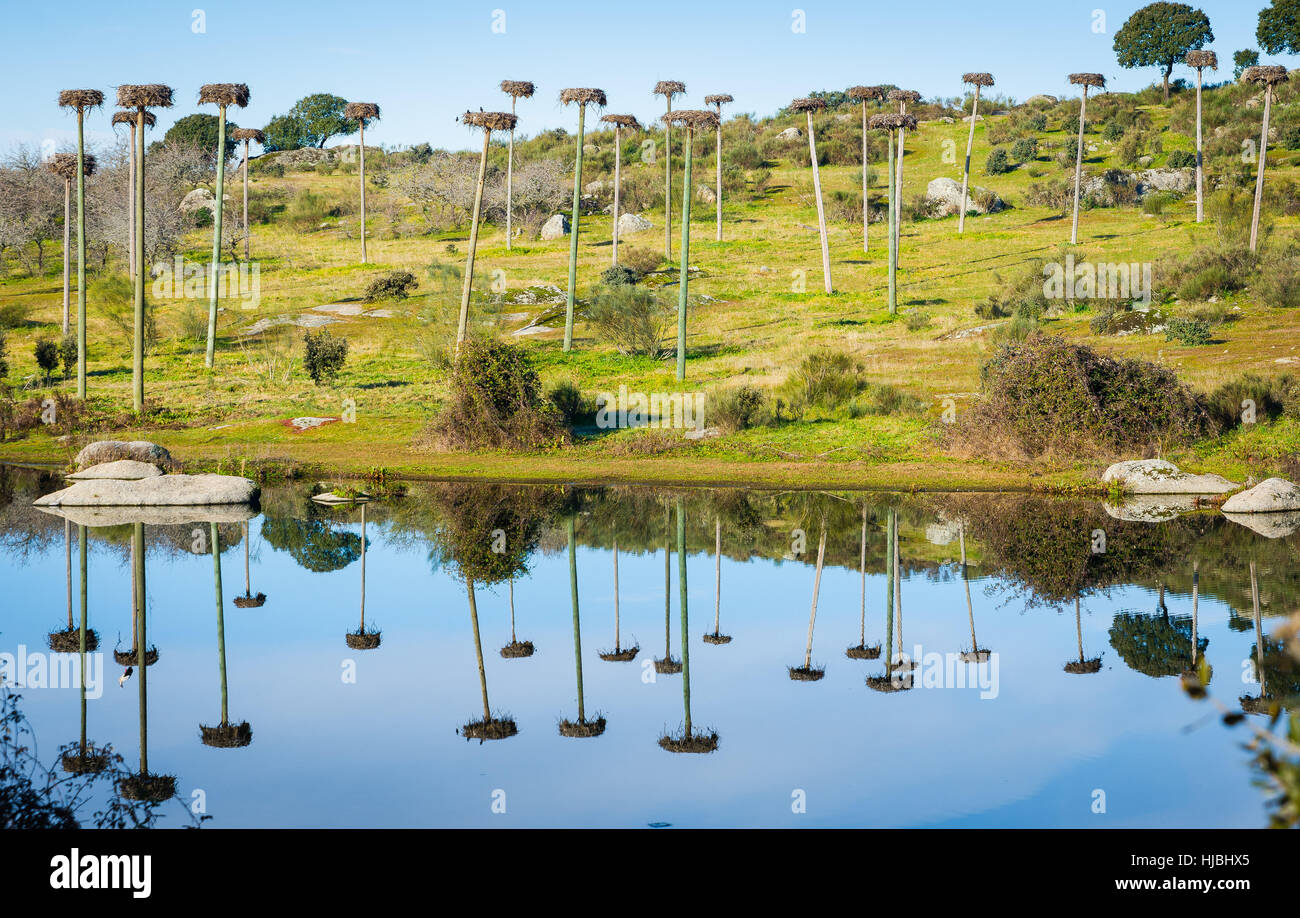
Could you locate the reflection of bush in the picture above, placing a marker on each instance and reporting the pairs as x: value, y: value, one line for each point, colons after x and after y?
x: 489, y: 530
x: 1156, y: 645
x: 314, y: 543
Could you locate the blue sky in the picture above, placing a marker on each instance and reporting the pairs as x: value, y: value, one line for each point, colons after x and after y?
x: 426, y: 62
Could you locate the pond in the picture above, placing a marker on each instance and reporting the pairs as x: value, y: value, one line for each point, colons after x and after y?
x: 470, y: 654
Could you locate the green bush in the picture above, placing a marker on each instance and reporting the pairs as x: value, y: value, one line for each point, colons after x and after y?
x: 998, y: 163
x: 1037, y: 122
x: 883, y: 399
x: 825, y: 380
x: 1187, y: 332
x: 395, y: 285
x: 619, y: 276
x: 1226, y: 404
x: 324, y: 355
x: 47, y: 356
x: 68, y: 354
x: 4, y: 351
x: 1182, y: 159
x: 1112, y: 132
x: 1024, y: 150
x: 634, y: 319
x: 573, y: 407
x: 737, y: 408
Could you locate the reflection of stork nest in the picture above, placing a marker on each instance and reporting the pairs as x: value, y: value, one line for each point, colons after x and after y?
x: 895, y: 683
x: 582, y: 728
x: 517, y: 650
x: 693, y: 743
x: 806, y: 673
x: 668, y: 666
x: 1084, y: 666
x: 227, y: 736
x: 978, y: 655
x: 69, y: 641
x: 90, y: 762
x: 717, y: 638
x: 903, y: 666
x: 132, y: 657
x: 250, y: 602
x: 863, y: 652
x: 147, y: 788
x: 490, y: 728
x: 622, y: 655
x: 363, y: 640
x: 1263, y: 705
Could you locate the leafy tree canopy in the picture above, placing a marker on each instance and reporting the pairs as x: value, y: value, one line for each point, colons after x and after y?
x: 1243, y: 59
x: 200, y: 131
x: 321, y: 115
x: 284, y: 132
x: 1279, y: 27
x: 1160, y: 35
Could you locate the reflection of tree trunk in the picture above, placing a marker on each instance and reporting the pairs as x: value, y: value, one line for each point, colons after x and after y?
x: 717, y: 574
x: 1196, y: 589
x: 965, y: 575
x: 1078, y: 627
x: 67, y: 564
x: 513, y: 639
x: 617, y: 647
x: 81, y: 551
x: 478, y: 651
x: 862, y: 637
x: 668, y: 585
x: 1259, y: 631
x: 248, y: 587
x: 817, y: 586
x: 898, y: 591
x: 686, y: 643
x: 889, y: 589
x: 577, y: 630
x: 221, y: 622
x: 137, y: 557
x: 363, y: 568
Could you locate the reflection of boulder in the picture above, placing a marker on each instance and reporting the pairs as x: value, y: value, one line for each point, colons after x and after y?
x: 1151, y: 508
x: 1156, y: 476
x: 1269, y: 525
x: 93, y: 517
x: 162, y: 491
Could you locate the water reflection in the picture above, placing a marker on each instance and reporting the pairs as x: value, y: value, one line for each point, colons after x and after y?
x: 989, y: 580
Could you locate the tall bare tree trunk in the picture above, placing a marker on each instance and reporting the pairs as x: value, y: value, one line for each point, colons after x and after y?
x: 893, y: 238
x: 219, y: 208
x: 362, y: 172
x: 718, y: 170
x: 131, y: 246
x: 463, y: 322
x: 618, y: 185
x: 246, y: 234
x: 1078, y: 166
x: 81, y: 250
x: 1259, y: 174
x: 137, y: 356
x: 67, y: 255
x: 866, y: 207
x: 668, y: 183
x: 970, y: 145
x: 573, y: 230
x: 821, y: 210
x: 510, y: 182
x: 1200, y: 166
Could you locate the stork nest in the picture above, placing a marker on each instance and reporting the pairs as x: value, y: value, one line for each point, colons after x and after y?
x: 520, y: 89
x: 363, y: 640
x: 721, y: 98
x: 977, y: 79
x: 69, y: 640
x: 978, y: 655
x: 1265, y: 74
x: 64, y: 165
x: 147, y: 788
x: 892, y: 121
x: 622, y: 655
x: 717, y: 638
x: 90, y: 762
x: 806, y: 673
x: 144, y: 95
x: 81, y: 98
x: 807, y: 105
x: 517, y: 650
x: 583, y: 97
x: 693, y: 119
x: 131, y: 658
x: 1088, y: 79
x: 250, y: 602
x: 690, y: 742
x: 903, y: 95
x: 623, y: 121
x: 490, y: 728
x: 865, y: 93
x: 889, y: 683
x: 129, y: 118
x: 582, y: 729
x: 668, y: 666
x: 490, y: 121
x: 1200, y: 59
x: 224, y: 94
x: 248, y: 134
x: 863, y: 652
x: 361, y: 111
x: 669, y: 88
x: 1084, y: 667
x: 227, y: 736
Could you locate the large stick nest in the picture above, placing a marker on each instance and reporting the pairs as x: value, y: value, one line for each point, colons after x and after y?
x: 717, y: 638
x: 622, y: 655
x: 807, y: 105
x: 1083, y: 667
x: 690, y: 742
x: 520, y: 89
x: 490, y: 121
x: 669, y: 88
x: 806, y: 673
x: 583, y: 97
x: 129, y: 118
x: 224, y: 94
x: 491, y: 728
x: 668, y: 666
x: 977, y: 79
x: 863, y: 652
x: 582, y: 729
x: 147, y: 788
x: 892, y: 121
x: 905, y: 96
x: 248, y: 134
x: 69, y: 641
x: 130, y: 657
x: 227, y: 736
x: 363, y: 640
x: 361, y: 111
x: 64, y: 165
x: 1200, y: 59
x: 144, y: 95
x: 517, y: 650
x: 1088, y: 79
x: 721, y: 98
x: 623, y: 121
x: 865, y: 93
x: 694, y: 119
x: 1265, y: 74
x: 90, y: 762
x: 81, y: 98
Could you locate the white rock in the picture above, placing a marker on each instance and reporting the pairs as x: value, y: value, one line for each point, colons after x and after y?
x: 1272, y: 495
x: 1042, y: 100
x: 557, y: 227
x: 121, y: 470
x: 1156, y: 476
x: 163, y: 491
x: 790, y: 133
x: 112, y: 450
x: 705, y: 193
x: 1269, y: 525
x: 632, y: 223
x: 945, y: 197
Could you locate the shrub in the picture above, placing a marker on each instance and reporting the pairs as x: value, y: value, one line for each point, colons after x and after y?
x: 823, y: 379
x: 1182, y: 159
x: 306, y: 211
x: 744, y: 155
x: 1188, y: 332
x: 1278, y: 281
x: 737, y: 408
x: 998, y: 163
x: 1024, y: 149
x: 1037, y: 122
x: 1227, y: 404
x: 1112, y: 131
x: 642, y: 261
x: 918, y: 320
x: 68, y: 354
x: 635, y: 320
x: 1054, y: 193
x: 4, y: 366
x: 395, y: 285
x: 884, y: 399
x: 496, y: 402
x: 324, y: 355
x: 568, y: 400
x: 1158, y: 202
x: 619, y: 276
x: 1048, y: 395
x: 47, y: 356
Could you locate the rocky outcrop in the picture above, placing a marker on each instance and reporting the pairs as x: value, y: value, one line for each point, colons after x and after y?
x: 1272, y: 495
x: 557, y: 227
x: 112, y: 450
x: 121, y: 470
x: 632, y: 223
x: 1156, y: 476
x: 944, y: 195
